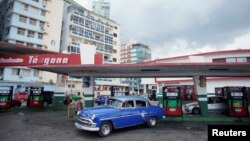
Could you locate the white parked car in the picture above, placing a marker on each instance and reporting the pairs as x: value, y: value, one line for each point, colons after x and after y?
x: 216, y: 104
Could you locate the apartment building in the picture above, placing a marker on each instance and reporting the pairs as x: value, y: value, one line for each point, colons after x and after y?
x: 134, y: 52
x: 84, y: 28
x: 33, y: 23
x: 101, y: 7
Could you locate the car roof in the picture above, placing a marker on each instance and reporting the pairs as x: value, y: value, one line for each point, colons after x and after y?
x: 125, y: 98
x: 214, y: 96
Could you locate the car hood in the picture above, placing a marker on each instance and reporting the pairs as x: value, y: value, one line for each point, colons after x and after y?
x: 88, y: 112
x: 192, y: 103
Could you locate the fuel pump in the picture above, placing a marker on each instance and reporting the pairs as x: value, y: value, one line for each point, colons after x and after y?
x: 119, y: 90
x: 172, y: 100
x: 5, y: 97
x: 188, y: 93
x: 236, y: 100
x: 35, y: 96
x: 248, y: 100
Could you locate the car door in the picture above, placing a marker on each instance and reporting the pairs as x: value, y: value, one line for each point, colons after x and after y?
x: 219, y: 105
x: 143, y: 110
x: 211, y: 104
x: 128, y: 115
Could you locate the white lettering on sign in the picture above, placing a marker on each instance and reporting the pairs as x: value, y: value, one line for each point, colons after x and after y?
x: 48, y: 60
x: 172, y: 94
x: 11, y: 60
x: 216, y: 132
x: 237, y: 94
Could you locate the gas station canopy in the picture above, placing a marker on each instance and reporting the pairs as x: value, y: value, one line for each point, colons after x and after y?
x: 153, y: 70
x: 70, y: 64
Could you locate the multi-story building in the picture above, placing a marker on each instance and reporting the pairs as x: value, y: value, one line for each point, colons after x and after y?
x: 33, y: 23
x: 102, y: 8
x: 134, y: 52
x: 84, y: 28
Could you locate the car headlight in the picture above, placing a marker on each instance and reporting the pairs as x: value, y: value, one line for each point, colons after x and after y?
x: 78, y: 113
x: 93, y: 117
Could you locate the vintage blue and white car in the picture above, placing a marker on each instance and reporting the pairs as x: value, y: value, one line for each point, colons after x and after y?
x: 120, y: 111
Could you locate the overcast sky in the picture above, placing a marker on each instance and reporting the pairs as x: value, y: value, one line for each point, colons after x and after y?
x: 181, y: 27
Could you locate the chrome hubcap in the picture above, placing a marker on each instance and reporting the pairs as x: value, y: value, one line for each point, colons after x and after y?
x: 105, y: 129
x: 152, y: 121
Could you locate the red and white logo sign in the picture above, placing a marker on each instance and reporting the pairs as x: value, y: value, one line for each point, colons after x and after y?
x: 40, y: 60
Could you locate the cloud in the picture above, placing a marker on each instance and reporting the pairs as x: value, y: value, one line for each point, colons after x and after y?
x: 180, y: 47
x: 172, y: 27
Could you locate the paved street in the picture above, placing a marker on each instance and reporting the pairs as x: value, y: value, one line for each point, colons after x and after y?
x: 55, y: 126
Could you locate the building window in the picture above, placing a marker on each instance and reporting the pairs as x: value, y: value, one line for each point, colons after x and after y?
x: 31, y: 34
x: 20, y: 31
x: 230, y: 60
x: 39, y: 46
x: 72, y: 49
x: 114, y: 59
x: 115, y: 35
x: 42, y: 25
x: 241, y: 59
x: 1, y: 73
x: 71, y: 86
x: 29, y: 45
x: 22, y: 19
x: 25, y: 7
x: 40, y: 36
x: 43, y: 12
x: 7, y: 31
x: 26, y: 72
x: 36, y: 0
x: 15, y: 71
x: 115, y: 27
x: 19, y: 42
x: 36, y: 72
x: 32, y: 21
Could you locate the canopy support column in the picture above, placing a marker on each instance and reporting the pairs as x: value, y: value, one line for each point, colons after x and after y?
x: 201, y: 92
x: 88, y: 90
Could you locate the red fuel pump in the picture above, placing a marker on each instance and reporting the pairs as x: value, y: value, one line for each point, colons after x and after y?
x: 188, y: 93
x: 5, y: 97
x: 248, y: 100
x: 236, y: 100
x: 35, y: 97
x: 172, y: 100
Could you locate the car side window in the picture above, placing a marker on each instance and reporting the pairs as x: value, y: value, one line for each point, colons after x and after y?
x: 140, y: 103
x: 210, y: 100
x: 128, y: 104
x: 220, y: 100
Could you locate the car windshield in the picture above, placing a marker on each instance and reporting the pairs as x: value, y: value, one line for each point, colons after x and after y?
x: 114, y: 103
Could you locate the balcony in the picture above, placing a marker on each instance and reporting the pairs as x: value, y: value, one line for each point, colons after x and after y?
x: 108, y: 61
x: 77, y: 33
x: 107, y: 51
x: 17, y: 8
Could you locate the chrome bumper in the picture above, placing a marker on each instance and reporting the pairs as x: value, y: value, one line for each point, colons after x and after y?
x: 87, y: 128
